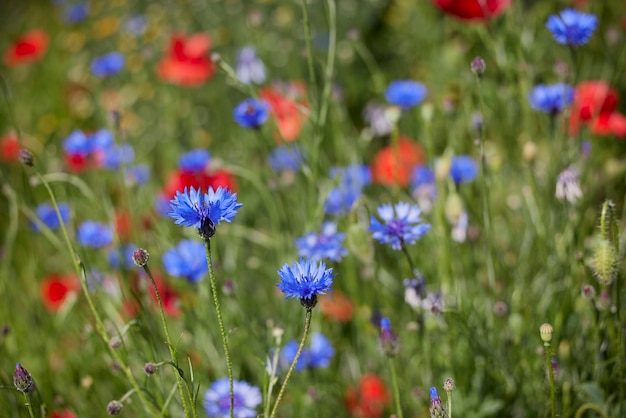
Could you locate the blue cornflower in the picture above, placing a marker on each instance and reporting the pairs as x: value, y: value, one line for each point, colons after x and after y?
x: 77, y: 143
x: 187, y: 259
x: 572, y: 27
x: 463, y: 169
x: 217, y: 399
x: 325, y: 245
x: 389, y: 341
x: 320, y: 352
x: 113, y: 157
x: 436, y: 406
x: 405, y: 93
x: 194, y: 160
x: 107, y: 64
x: 48, y: 215
x: 551, y: 98
x: 204, y: 211
x: 249, y: 67
x: 94, y: 234
x: 288, y: 353
x: 126, y: 251
x: 76, y: 13
x: 401, y: 225
x: 137, y: 175
x: 305, y: 280
x: 286, y: 157
x: 101, y: 140
x: 352, y: 181
x: 318, y: 355
x: 251, y: 113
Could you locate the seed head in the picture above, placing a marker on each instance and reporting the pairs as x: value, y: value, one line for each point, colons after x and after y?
x: 545, y: 330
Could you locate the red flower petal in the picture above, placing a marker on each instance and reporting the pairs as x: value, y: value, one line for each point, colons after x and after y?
x: 391, y: 166
x: 31, y: 47
x: 186, y: 62
x: 55, y: 289
x: 9, y: 147
x: 472, y: 9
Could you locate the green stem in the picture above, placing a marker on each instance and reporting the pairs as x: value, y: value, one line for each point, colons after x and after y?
x: 408, y: 257
x: 216, y: 300
x: 548, y: 352
x: 80, y: 269
x: 307, y: 325
x: 169, y: 341
x: 29, y: 405
x: 590, y: 406
x: 309, y: 45
x: 396, y: 390
x: 449, y: 403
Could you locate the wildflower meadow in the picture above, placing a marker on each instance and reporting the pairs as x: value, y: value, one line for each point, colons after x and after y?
x: 312, y: 208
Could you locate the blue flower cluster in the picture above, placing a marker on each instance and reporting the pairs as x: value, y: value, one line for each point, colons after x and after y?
x: 94, y: 234
x: 101, y: 146
x: 405, y: 93
x: 551, y: 98
x: 251, y: 113
x: 194, y: 161
x: 352, y: 180
x: 217, y: 399
x: 187, y: 260
x: 401, y: 225
x: 572, y: 27
x: 318, y: 355
x: 48, y: 216
x: 325, y: 245
x: 463, y: 169
x: 107, y: 64
x: 286, y: 158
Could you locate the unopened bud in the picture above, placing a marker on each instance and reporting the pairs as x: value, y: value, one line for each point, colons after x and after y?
x: 478, y: 66
x: 22, y: 380
x: 115, y: 342
x: 150, y: 368
x: 114, y: 407
x: 389, y: 342
x: 448, y: 385
x: 588, y: 292
x: 604, y: 263
x: 141, y: 257
x: 545, y: 330
x: 26, y: 157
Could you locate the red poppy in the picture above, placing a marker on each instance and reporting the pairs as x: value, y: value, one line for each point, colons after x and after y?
x: 169, y: 297
x: 186, y: 62
x: 336, y: 306
x: 179, y: 180
x: 595, y: 104
x: 369, y: 399
x: 9, y: 147
x: 31, y: 47
x: 77, y: 163
x: 63, y: 413
x: 472, y: 9
x: 122, y: 222
x: 285, y: 110
x: 391, y: 165
x: 55, y: 290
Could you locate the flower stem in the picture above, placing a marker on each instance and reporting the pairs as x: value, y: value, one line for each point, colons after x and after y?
x: 229, y: 364
x: 305, y: 334
x: 396, y: 390
x: 548, y: 352
x: 449, y: 403
x: 80, y: 269
x: 29, y: 405
x: 179, y: 380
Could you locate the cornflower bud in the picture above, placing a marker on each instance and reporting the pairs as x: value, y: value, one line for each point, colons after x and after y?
x: 26, y: 157
x: 478, y: 66
x: 114, y: 407
x: 141, y: 257
x: 389, y: 342
x: 22, y: 380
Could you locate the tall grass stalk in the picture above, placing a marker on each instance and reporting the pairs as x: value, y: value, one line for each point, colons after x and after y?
x: 396, y: 388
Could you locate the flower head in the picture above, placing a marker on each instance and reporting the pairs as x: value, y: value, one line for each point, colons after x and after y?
x: 204, y: 211
x: 56, y: 289
x: 22, y: 380
x: 94, y: 234
x: 376, y: 115
x: 186, y: 260
x: 595, y: 104
x: 249, y: 67
x: 325, y: 245
x: 568, y: 185
x: 401, y: 225
x: 463, y: 169
x: 318, y: 355
x: 389, y: 341
x: 286, y: 157
x: 186, y: 62
x: 352, y: 180
x: 251, y: 113
x: 369, y: 399
x: 107, y: 64
x: 405, y: 93
x: 217, y: 399
x: 437, y: 409
x: 194, y: 161
x: 76, y: 13
x: 394, y: 165
x: 572, y: 27
x: 30, y: 47
x: 551, y: 98
x: 305, y: 280
x: 472, y: 9
x: 48, y: 215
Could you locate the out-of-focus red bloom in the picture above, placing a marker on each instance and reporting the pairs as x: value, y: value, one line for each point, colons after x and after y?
x: 284, y: 109
x: 395, y: 166
x: 9, y: 147
x: 472, y: 9
x: 122, y: 224
x: 31, y: 47
x: 369, y: 399
x: 595, y: 104
x: 63, y: 413
x: 186, y: 62
x: 77, y: 163
x: 169, y: 297
x: 56, y: 288
x: 336, y: 306
x: 179, y: 180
